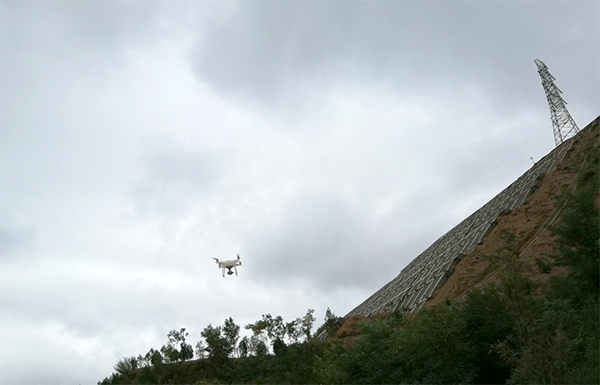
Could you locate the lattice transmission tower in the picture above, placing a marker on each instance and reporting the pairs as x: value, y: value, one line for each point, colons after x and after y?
x: 562, y: 122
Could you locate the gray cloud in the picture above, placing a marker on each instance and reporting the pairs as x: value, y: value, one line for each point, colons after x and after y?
x: 322, y: 243
x: 16, y: 239
x: 84, y: 28
x: 409, y: 46
x: 316, y: 232
x: 173, y: 177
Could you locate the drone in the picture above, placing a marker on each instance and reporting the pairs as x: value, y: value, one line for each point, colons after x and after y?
x: 231, y: 264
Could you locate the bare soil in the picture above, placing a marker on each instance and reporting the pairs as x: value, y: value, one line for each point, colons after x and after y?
x: 528, y: 222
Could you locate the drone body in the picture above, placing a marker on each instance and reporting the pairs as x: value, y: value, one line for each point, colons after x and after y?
x: 231, y: 264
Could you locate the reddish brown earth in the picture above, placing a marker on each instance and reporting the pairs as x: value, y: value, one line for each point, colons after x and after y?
x: 350, y: 326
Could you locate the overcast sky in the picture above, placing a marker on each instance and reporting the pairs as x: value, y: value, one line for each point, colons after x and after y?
x: 327, y: 143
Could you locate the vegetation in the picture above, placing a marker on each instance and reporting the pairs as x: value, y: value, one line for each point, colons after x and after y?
x: 513, y: 332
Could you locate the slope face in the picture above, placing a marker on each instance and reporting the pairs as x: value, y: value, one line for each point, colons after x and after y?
x: 528, y: 223
x: 465, y: 246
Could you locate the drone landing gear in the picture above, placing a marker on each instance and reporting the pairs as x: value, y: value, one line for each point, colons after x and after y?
x: 229, y: 272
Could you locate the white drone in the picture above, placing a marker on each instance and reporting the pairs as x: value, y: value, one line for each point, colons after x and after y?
x: 231, y: 264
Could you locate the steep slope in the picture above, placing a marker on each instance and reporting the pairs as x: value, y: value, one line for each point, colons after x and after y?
x: 460, y: 258
x: 528, y: 223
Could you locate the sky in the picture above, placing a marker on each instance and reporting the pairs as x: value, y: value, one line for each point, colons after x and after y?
x: 327, y: 143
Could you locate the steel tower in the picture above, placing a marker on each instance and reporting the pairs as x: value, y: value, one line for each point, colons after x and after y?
x: 562, y: 122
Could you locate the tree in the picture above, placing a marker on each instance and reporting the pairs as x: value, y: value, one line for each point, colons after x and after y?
x: 244, y: 347
x: 126, y: 365
x: 331, y: 324
x: 276, y: 329
x: 177, y: 349
x: 257, y: 346
x: 267, y: 328
x: 261, y: 348
x: 279, y: 347
x: 200, y: 349
x: 293, y: 330
x: 487, y: 323
x: 154, y: 358
x: 307, y: 323
x: 429, y: 349
x: 231, y: 332
x: 550, y: 351
x: 218, y: 347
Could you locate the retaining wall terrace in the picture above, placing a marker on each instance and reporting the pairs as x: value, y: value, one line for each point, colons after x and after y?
x: 416, y: 283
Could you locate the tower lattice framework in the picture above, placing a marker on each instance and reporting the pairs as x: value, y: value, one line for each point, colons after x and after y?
x: 563, y: 124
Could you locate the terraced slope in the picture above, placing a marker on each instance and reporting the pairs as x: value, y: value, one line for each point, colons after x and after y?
x: 458, y: 259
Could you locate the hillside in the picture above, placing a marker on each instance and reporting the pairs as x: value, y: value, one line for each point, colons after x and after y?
x: 416, y: 283
x: 528, y: 222
x: 521, y: 307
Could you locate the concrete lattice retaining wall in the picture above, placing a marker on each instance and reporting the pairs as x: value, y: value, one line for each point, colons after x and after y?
x: 427, y: 272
